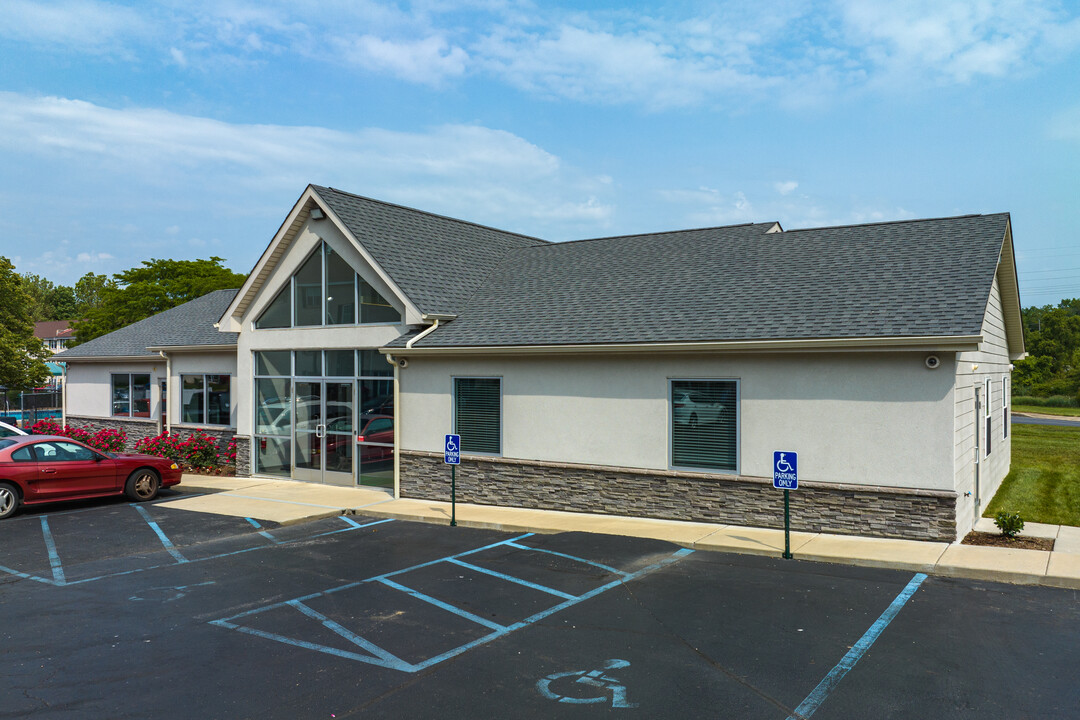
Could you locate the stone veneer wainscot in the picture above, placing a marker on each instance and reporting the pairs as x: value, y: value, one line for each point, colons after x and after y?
x: 910, y: 514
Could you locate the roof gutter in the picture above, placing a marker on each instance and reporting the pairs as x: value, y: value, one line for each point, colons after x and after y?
x: 957, y: 343
x: 192, y: 348
x: 105, y: 358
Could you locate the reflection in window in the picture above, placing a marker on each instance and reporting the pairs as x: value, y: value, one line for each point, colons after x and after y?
x: 478, y: 414
x: 374, y: 308
x: 273, y: 406
x: 273, y: 456
x: 324, y: 291
x: 307, y: 284
x: 340, y: 290
x: 205, y: 399
x: 278, y: 313
x: 273, y: 362
x: 704, y: 416
x: 131, y: 395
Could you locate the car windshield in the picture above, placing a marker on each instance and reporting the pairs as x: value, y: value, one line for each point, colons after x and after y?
x: 5, y: 442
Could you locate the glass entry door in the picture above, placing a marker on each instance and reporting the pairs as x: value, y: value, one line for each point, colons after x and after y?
x: 324, y: 432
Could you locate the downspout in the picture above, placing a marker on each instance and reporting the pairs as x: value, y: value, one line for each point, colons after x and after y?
x: 397, y: 407
x: 421, y: 336
x: 63, y: 396
x: 168, y: 384
x: 397, y: 435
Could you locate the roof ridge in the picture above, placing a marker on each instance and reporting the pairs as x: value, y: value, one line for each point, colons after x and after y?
x: 431, y: 214
x: 894, y: 222
x: 661, y: 232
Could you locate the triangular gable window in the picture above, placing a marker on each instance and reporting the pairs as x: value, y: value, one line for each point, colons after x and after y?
x: 326, y: 291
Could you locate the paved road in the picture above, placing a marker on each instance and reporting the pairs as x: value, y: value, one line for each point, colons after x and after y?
x: 1064, y: 422
x: 121, y: 611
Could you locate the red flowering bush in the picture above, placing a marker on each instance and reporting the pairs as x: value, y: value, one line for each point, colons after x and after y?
x: 109, y: 440
x: 198, y: 451
x: 47, y: 426
x: 106, y: 439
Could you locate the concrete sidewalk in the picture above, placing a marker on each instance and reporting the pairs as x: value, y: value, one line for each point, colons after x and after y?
x: 286, y: 502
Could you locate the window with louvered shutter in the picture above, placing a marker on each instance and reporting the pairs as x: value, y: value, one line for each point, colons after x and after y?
x: 704, y: 422
x: 478, y: 414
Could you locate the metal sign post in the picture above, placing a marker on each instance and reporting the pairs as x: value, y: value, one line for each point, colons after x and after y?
x: 786, y: 478
x: 452, y: 457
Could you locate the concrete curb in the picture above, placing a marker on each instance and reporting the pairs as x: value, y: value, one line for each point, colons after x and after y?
x: 287, y: 503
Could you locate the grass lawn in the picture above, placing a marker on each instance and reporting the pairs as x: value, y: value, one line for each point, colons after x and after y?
x: 1070, y: 411
x: 1044, y: 483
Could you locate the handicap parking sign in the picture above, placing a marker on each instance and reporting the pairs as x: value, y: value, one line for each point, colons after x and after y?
x: 452, y: 450
x: 785, y: 470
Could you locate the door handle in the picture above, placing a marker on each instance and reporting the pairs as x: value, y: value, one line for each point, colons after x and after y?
x: 320, y: 430
x: 50, y: 471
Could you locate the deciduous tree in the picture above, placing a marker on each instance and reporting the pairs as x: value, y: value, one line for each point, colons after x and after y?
x: 157, y: 286
x: 22, y: 356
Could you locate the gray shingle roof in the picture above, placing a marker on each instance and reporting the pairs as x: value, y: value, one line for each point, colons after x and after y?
x: 438, y: 262
x: 912, y: 278
x: 189, y: 324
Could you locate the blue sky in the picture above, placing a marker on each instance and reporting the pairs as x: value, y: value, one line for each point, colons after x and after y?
x: 185, y: 129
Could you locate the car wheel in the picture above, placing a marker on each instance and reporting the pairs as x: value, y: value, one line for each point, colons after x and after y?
x: 142, y: 485
x: 693, y: 421
x: 9, y: 500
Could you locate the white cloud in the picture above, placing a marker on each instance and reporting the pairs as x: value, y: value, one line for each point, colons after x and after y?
x: 427, y: 60
x: 601, y: 66
x: 449, y: 168
x: 786, y: 187
x: 83, y: 25
x: 707, y: 207
x: 96, y: 257
x: 960, y: 39
x: 793, y: 53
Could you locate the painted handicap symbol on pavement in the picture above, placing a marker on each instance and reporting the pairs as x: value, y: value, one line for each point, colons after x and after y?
x: 594, y: 678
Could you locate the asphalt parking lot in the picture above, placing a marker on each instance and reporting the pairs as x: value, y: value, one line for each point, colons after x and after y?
x: 138, y: 611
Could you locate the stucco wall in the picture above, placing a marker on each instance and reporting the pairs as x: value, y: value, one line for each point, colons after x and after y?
x: 992, y: 361
x: 202, y: 364
x: 89, y: 388
x: 873, y: 419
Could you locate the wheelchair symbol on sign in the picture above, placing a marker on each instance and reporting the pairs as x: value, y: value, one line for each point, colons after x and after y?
x: 782, y: 465
x: 451, y: 446
x: 594, y: 678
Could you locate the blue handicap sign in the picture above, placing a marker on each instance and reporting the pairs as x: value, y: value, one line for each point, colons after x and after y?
x: 452, y: 450
x: 785, y: 474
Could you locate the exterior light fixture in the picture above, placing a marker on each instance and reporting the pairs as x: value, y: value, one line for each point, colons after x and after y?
x: 317, y: 214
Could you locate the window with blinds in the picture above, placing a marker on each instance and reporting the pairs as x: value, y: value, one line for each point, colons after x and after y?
x: 704, y: 422
x: 478, y: 414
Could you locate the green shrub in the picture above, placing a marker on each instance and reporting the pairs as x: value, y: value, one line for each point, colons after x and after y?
x: 1052, y: 401
x: 1009, y: 523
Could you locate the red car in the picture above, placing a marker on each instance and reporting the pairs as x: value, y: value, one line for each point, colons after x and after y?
x: 37, y: 469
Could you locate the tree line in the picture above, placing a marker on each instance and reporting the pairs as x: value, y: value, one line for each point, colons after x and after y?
x: 96, y: 305
x: 1052, y: 338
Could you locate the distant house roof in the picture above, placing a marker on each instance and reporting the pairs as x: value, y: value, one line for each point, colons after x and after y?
x: 921, y: 278
x: 52, y: 329
x: 188, y: 325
